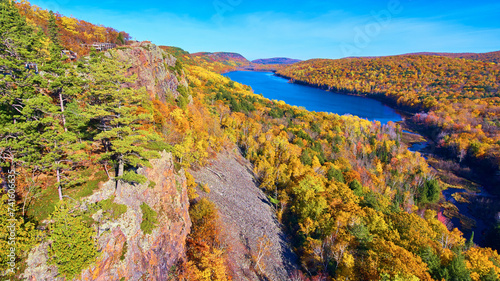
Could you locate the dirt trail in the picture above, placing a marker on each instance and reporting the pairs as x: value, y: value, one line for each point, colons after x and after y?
x: 248, y: 219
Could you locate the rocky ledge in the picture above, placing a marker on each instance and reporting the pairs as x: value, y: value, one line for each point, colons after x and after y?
x: 126, y: 252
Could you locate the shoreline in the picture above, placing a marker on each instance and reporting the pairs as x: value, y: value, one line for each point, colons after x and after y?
x: 405, y: 112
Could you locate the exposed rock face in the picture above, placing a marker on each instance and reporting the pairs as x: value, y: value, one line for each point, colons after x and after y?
x: 125, y: 251
x: 248, y: 220
x: 151, y: 65
x: 37, y: 267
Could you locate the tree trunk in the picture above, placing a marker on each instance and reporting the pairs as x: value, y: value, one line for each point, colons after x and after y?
x: 62, y: 110
x: 59, y: 187
x: 106, y: 169
x: 119, y: 174
x: 5, y: 182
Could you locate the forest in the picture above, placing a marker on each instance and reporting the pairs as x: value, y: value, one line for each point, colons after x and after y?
x: 493, y: 57
x: 346, y: 189
x: 355, y: 202
x: 456, y: 101
x: 72, y: 32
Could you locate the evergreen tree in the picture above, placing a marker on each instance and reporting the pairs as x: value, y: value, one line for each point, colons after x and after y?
x: 335, y: 174
x: 53, y: 32
x: 63, y: 154
x: 433, y: 262
x: 470, y: 242
x: 73, y: 247
x: 356, y: 187
x: 115, y: 110
x: 457, y: 269
x: 20, y: 101
x: 17, y: 42
x: 120, y: 39
x: 40, y: 143
x: 64, y: 82
x: 429, y: 192
x: 25, y: 232
x: 31, y: 132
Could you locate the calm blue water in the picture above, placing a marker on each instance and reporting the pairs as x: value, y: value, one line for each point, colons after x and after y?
x: 277, y: 88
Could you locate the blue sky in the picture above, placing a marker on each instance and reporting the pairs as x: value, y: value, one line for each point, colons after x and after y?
x: 299, y: 29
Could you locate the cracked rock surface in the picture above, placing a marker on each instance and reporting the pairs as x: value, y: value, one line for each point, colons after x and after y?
x: 248, y: 218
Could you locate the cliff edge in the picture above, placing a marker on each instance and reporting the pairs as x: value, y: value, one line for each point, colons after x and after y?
x: 126, y: 252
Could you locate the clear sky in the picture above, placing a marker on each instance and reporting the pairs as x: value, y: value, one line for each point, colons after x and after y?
x: 299, y: 29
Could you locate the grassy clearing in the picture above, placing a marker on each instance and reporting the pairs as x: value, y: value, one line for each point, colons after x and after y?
x: 410, y: 139
x: 453, y: 175
x: 111, y: 209
x: 45, y: 202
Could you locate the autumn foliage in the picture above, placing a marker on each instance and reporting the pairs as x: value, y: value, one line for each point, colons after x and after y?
x: 72, y: 31
x: 457, y: 101
x: 356, y: 202
x: 206, y: 252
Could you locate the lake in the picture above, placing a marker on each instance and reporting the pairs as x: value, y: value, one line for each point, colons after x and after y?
x: 313, y: 99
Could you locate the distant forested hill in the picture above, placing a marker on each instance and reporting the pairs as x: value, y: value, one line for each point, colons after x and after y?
x: 220, y: 62
x: 276, y: 61
x: 486, y: 57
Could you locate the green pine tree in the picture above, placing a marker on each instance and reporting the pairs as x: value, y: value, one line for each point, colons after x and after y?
x: 19, y: 88
x: 73, y: 246
x: 64, y: 82
x: 30, y: 123
x: 120, y: 39
x: 63, y: 155
x: 53, y: 32
x: 113, y: 108
x: 433, y: 262
x: 17, y: 40
x: 470, y: 242
x: 457, y: 269
x: 25, y: 234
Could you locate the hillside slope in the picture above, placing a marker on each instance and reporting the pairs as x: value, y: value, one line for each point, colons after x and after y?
x: 276, y: 61
x: 493, y: 57
x: 248, y: 219
x: 220, y: 62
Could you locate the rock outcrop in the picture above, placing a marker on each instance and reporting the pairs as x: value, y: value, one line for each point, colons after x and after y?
x: 126, y: 252
x: 154, y: 68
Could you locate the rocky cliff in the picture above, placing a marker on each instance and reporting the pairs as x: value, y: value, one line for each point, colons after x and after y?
x: 126, y: 252
x: 155, y: 69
